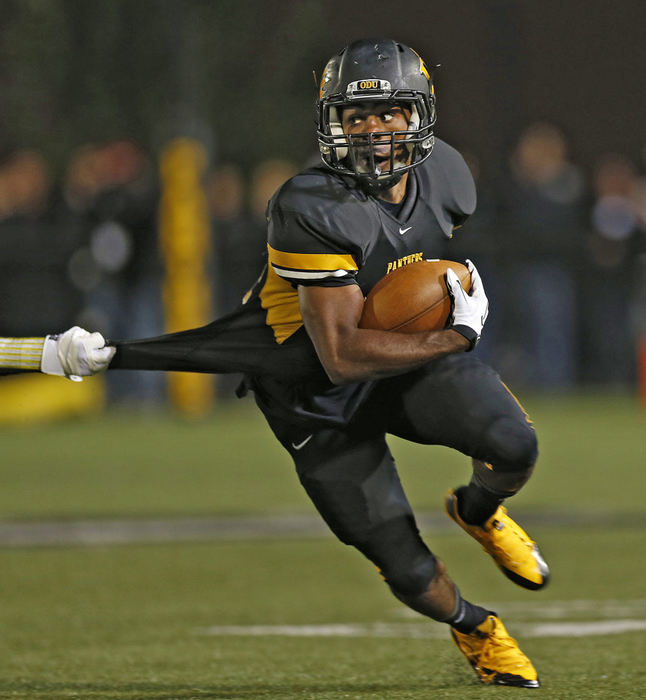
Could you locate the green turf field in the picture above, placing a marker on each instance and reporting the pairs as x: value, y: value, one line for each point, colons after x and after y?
x: 305, y: 617
x: 591, y: 448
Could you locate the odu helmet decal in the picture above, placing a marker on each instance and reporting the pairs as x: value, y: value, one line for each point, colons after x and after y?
x: 375, y: 70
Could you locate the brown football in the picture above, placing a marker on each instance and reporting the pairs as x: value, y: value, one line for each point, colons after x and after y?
x: 413, y: 298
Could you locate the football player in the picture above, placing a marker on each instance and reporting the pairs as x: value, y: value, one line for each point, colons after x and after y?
x: 387, y: 193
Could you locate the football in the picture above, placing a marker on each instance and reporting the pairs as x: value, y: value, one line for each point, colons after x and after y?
x: 413, y: 298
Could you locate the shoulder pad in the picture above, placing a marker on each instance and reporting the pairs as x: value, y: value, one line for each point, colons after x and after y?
x: 447, y: 186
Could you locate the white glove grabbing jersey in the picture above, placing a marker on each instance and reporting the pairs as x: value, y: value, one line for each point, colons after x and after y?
x: 75, y: 354
x: 469, y: 311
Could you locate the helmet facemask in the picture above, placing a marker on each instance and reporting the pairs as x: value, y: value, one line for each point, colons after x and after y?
x: 357, y: 155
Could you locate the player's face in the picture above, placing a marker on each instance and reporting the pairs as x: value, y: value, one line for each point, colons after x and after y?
x: 380, y: 119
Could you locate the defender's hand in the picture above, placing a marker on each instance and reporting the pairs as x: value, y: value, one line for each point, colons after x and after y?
x: 75, y: 354
x: 469, y: 311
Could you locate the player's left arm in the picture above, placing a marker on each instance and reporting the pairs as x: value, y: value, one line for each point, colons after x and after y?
x: 74, y: 354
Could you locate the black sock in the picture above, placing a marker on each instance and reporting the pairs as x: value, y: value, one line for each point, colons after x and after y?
x: 467, y: 616
x: 476, y: 504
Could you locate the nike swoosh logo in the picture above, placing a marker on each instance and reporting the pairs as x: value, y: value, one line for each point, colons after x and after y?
x: 301, y: 445
x: 402, y: 231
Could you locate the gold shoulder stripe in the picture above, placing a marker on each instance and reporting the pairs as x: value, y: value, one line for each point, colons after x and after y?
x: 311, y: 261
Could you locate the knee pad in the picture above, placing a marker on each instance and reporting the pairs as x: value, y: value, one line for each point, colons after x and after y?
x: 413, y: 578
x: 404, y: 561
x: 511, y: 445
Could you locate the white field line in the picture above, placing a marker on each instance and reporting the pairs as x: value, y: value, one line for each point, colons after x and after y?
x: 419, y: 631
x: 584, y: 629
x: 570, y: 610
x: 376, y: 629
x: 559, y: 618
x: 91, y: 532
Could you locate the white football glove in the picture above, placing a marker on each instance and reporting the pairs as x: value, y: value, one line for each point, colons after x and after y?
x: 469, y: 311
x: 75, y: 354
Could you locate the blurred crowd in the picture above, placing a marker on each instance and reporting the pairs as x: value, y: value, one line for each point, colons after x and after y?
x: 563, y: 255
x: 562, y: 251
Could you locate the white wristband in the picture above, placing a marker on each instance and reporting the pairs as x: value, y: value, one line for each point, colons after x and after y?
x: 50, y: 362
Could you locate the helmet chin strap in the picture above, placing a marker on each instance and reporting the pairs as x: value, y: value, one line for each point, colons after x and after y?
x: 375, y: 186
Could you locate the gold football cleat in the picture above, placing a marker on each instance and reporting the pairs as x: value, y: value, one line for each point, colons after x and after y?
x: 514, y: 552
x: 495, y: 656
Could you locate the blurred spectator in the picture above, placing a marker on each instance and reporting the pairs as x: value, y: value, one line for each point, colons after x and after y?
x: 36, y: 244
x: 542, y: 222
x: 639, y: 300
x: 265, y: 180
x: 608, y: 354
x: 26, y: 186
x: 112, y: 190
x: 240, y: 234
x: 225, y: 190
x: 478, y: 242
x: 239, y: 231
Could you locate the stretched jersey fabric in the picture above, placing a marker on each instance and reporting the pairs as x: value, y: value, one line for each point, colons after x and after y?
x: 322, y: 230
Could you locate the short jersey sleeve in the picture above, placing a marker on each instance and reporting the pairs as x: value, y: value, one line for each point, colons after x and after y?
x: 313, y: 230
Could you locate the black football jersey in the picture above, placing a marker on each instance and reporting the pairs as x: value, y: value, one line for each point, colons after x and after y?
x: 322, y: 230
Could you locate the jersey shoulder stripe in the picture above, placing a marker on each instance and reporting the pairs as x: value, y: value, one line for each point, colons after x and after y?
x: 316, y: 213
x: 311, y: 267
x: 298, y: 275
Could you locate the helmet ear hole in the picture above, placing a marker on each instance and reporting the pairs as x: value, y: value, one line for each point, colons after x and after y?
x: 413, y: 122
x: 413, y: 125
x: 336, y: 129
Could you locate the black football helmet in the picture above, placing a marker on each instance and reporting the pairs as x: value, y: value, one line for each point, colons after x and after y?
x: 375, y: 70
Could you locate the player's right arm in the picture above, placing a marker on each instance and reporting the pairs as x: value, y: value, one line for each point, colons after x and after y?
x: 350, y: 354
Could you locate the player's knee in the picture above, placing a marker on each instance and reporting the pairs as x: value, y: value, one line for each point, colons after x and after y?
x: 405, y: 562
x: 512, y: 444
x: 413, y: 579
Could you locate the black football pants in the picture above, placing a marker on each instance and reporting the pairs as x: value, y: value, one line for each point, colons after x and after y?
x: 350, y: 475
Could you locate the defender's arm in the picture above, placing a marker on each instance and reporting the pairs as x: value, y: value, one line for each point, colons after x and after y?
x: 73, y: 354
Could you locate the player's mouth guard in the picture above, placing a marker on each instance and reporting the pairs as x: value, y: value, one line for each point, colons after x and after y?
x: 364, y: 160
